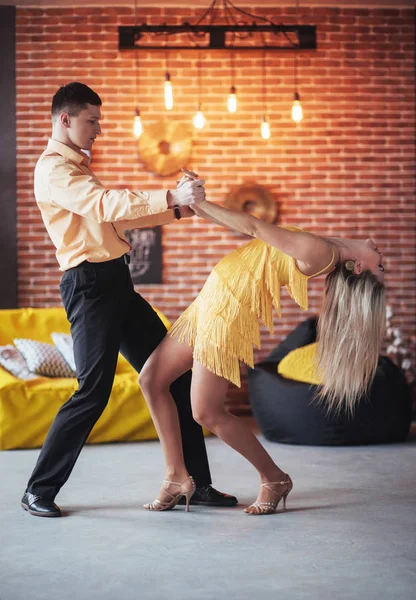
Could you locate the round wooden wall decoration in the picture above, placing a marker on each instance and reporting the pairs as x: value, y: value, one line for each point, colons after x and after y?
x: 166, y: 146
x: 255, y: 199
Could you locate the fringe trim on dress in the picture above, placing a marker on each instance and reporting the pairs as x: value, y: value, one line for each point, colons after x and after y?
x: 222, y: 324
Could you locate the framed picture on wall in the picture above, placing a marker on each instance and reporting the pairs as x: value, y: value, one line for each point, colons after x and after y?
x: 145, y: 255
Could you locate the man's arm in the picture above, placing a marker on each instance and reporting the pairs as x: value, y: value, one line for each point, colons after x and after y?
x: 81, y: 193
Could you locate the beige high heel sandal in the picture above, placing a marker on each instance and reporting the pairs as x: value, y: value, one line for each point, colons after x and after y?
x: 269, y: 508
x: 187, y: 488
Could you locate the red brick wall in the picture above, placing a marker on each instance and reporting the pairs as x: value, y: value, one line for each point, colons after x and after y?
x: 347, y: 170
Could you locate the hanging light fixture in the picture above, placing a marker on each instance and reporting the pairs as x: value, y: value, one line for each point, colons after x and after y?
x: 211, y: 31
x: 264, y: 126
x: 137, y: 124
x: 222, y: 26
x: 168, y: 87
x: 199, y: 119
x: 232, y: 96
x: 232, y: 100
x: 297, y: 111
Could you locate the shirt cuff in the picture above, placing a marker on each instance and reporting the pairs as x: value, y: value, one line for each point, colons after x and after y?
x: 158, y: 201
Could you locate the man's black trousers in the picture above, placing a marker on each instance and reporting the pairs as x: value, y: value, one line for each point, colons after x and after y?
x: 107, y: 316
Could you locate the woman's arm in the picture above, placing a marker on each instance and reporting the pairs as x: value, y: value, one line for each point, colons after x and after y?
x: 238, y: 221
x: 315, y: 252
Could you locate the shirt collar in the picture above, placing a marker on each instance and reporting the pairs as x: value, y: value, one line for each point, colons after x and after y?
x: 64, y: 150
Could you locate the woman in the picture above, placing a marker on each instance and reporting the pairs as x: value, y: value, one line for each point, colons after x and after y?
x: 219, y: 329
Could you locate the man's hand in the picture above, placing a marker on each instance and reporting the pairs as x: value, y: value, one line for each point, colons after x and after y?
x: 189, y: 192
x: 186, y: 211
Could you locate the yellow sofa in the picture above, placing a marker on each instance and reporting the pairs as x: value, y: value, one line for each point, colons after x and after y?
x: 27, y: 408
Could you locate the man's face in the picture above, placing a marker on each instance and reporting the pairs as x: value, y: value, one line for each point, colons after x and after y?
x: 83, y: 128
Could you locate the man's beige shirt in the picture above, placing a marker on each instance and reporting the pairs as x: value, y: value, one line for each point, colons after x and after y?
x: 85, y: 220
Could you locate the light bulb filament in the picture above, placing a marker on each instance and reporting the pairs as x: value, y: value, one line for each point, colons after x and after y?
x: 297, y: 112
x: 265, y: 128
x: 199, y: 119
x: 137, y: 126
x: 232, y: 100
x: 168, y: 92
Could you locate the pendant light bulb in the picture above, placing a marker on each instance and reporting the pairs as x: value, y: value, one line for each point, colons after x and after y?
x: 265, y: 128
x: 232, y: 100
x: 138, y: 125
x: 168, y: 92
x: 199, y: 119
x: 297, y: 112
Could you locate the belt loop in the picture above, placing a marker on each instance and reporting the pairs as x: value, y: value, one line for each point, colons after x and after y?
x: 126, y: 258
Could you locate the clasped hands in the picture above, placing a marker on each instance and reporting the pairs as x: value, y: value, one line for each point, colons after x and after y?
x: 190, y: 191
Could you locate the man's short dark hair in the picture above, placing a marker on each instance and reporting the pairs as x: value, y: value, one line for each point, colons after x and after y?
x: 73, y: 98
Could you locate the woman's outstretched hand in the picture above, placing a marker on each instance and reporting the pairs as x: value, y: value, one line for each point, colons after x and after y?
x: 187, y: 175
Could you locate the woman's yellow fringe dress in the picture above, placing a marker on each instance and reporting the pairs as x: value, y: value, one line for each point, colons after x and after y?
x: 222, y: 323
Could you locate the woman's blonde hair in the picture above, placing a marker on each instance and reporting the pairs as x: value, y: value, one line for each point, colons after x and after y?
x: 350, y: 332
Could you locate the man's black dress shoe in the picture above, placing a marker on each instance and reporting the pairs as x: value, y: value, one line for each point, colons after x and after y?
x: 209, y: 496
x: 40, y: 507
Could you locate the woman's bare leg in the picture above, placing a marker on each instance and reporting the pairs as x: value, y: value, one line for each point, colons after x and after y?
x: 167, y: 362
x: 170, y: 360
x: 207, y: 396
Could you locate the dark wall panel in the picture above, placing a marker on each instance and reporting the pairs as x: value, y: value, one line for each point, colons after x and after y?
x: 8, y: 195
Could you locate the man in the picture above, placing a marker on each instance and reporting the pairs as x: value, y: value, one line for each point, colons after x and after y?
x: 86, y: 223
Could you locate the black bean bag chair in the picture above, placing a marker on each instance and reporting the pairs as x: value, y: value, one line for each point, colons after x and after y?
x: 286, y: 412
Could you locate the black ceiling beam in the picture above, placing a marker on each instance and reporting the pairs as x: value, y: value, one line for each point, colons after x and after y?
x: 129, y: 37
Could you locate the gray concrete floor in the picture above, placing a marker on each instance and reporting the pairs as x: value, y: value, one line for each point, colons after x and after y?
x: 348, y: 533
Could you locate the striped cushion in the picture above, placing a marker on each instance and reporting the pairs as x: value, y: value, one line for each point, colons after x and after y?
x: 13, y: 361
x: 65, y: 347
x: 43, y: 359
